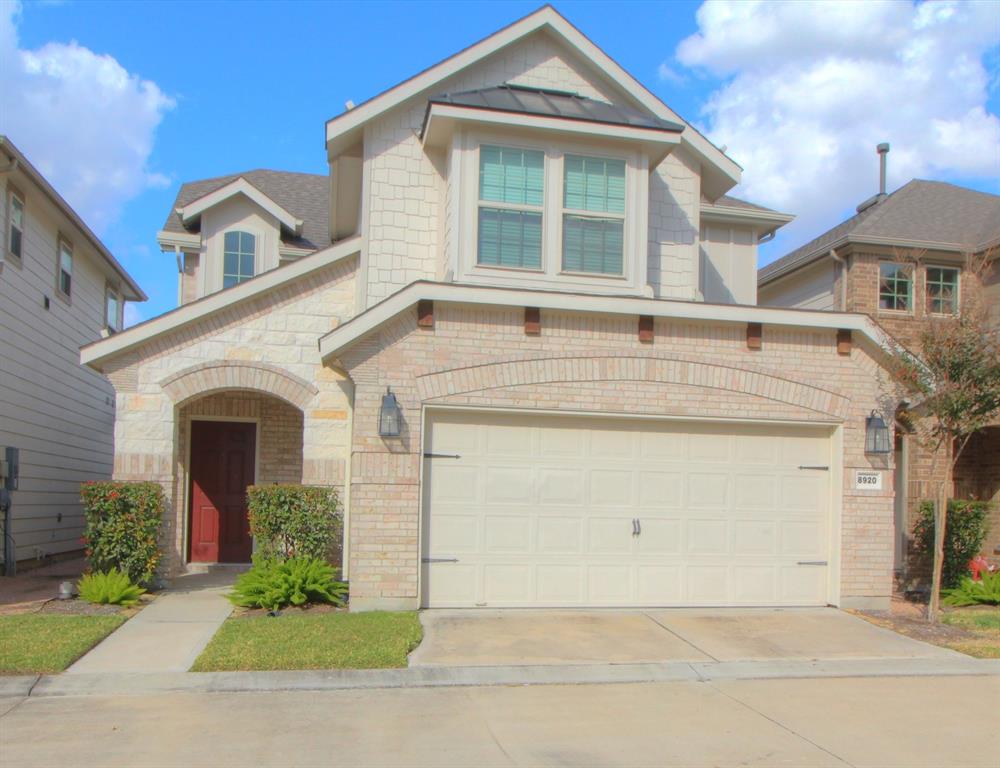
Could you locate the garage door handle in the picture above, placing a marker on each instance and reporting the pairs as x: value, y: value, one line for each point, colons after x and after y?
x: 821, y: 466
x: 439, y: 559
x: 441, y: 456
x: 813, y: 562
x: 638, y: 527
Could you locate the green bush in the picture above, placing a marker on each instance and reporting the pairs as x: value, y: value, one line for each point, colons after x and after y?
x: 109, y: 588
x: 969, y: 592
x: 273, y: 584
x: 123, y: 525
x: 964, y: 533
x: 294, y: 520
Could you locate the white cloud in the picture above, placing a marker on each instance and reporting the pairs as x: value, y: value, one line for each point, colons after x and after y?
x: 81, y: 118
x: 809, y: 89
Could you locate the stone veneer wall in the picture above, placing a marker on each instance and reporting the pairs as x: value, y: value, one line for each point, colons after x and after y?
x: 266, y: 346
x: 480, y: 355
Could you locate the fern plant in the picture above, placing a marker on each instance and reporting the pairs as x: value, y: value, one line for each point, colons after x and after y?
x: 969, y: 592
x: 109, y: 588
x: 274, y: 584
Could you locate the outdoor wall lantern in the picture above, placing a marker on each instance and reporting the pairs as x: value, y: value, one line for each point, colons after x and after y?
x: 877, y: 439
x: 390, y: 416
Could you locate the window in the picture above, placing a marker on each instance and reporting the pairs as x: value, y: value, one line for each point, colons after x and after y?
x: 511, y: 184
x: 112, y: 310
x: 942, y: 290
x: 64, y: 278
x: 593, y: 243
x: 239, y: 250
x: 15, y: 217
x: 895, y: 286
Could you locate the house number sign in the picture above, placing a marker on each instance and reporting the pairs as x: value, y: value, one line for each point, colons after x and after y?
x: 867, y: 480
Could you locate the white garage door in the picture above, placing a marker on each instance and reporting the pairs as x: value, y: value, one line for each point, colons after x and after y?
x: 524, y: 510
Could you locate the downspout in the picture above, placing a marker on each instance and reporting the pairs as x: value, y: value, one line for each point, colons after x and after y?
x: 843, y: 278
x: 345, y: 565
x: 180, y: 275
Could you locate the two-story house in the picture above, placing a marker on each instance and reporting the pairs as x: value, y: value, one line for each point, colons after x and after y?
x: 515, y: 324
x: 904, y: 258
x: 60, y: 288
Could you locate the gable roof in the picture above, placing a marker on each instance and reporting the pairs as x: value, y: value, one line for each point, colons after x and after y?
x: 306, y: 196
x: 719, y: 173
x: 920, y: 214
x: 547, y: 102
x: 134, y: 293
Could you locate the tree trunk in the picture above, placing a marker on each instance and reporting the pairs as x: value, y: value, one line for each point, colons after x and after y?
x: 940, y: 523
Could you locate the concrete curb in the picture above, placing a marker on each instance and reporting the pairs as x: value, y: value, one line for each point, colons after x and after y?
x: 433, y: 677
x: 17, y: 686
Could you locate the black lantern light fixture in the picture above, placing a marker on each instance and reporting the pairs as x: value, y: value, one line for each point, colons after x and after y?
x: 390, y: 416
x: 877, y: 438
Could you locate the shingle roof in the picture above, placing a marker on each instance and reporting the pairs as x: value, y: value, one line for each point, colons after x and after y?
x: 735, y: 202
x: 921, y: 212
x: 547, y: 102
x: 305, y: 195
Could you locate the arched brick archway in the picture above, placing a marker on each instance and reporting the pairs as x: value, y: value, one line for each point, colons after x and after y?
x: 217, y: 375
x: 558, y: 370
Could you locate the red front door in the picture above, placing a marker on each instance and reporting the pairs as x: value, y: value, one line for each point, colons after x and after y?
x: 222, y: 461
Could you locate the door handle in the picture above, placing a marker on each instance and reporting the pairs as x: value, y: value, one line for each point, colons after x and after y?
x: 635, y: 530
x: 638, y: 527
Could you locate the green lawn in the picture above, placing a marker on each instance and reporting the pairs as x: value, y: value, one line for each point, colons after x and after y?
x: 373, y: 640
x: 45, y: 643
x: 984, y: 624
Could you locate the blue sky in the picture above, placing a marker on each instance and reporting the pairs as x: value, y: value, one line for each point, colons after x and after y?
x: 169, y: 92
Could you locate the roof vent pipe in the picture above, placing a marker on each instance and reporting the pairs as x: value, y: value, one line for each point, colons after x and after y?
x: 883, y: 150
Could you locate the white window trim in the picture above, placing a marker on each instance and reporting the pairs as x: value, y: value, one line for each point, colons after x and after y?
x: 62, y: 240
x: 464, y: 242
x: 222, y: 253
x: 12, y: 194
x: 958, y: 290
x: 913, y: 288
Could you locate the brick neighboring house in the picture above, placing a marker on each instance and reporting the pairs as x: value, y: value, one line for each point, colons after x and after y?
x: 516, y: 325
x: 901, y: 258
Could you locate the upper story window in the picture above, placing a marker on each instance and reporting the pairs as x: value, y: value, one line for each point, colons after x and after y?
x: 15, y: 218
x: 112, y: 310
x: 593, y: 243
x: 239, y: 255
x: 64, y: 270
x: 511, y: 199
x: 942, y: 290
x: 895, y: 286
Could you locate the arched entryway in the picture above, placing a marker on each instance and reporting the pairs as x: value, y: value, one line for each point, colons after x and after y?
x: 227, y: 441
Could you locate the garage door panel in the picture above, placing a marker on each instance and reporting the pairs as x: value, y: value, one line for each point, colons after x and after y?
x: 507, y: 534
x: 559, y: 535
x: 561, y: 486
x: 540, y: 510
x: 661, y: 490
x: 708, y: 489
x: 609, y: 536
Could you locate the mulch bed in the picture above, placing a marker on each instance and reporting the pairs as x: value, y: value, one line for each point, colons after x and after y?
x: 313, y: 609
x: 909, y: 618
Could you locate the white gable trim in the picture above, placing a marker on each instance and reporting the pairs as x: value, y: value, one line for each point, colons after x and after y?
x: 339, y: 338
x: 241, y: 186
x: 727, y: 172
x: 96, y: 353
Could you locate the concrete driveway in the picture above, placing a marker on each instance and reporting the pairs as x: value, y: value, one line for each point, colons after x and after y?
x: 530, y: 637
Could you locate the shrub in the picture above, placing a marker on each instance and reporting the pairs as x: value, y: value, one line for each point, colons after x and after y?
x: 109, y: 588
x: 969, y: 592
x: 274, y: 584
x: 294, y: 520
x: 123, y: 524
x: 964, y: 534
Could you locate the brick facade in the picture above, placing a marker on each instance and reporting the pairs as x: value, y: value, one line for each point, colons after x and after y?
x: 594, y: 363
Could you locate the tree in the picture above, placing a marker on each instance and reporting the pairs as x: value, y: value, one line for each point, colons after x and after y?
x: 953, y: 381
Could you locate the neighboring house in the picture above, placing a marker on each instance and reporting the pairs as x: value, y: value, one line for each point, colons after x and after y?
x: 902, y: 258
x: 491, y: 325
x: 60, y: 288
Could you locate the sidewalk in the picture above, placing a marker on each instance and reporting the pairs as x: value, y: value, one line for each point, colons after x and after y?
x: 168, y: 635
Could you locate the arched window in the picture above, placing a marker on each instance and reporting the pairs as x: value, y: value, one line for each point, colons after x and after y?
x: 239, y: 250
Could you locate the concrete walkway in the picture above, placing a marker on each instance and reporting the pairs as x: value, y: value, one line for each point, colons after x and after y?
x: 168, y: 635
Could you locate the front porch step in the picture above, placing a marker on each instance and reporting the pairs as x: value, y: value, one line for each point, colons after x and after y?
x: 193, y: 569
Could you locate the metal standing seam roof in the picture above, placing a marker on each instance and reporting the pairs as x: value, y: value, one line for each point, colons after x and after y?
x: 546, y: 102
x: 920, y: 211
x: 304, y: 195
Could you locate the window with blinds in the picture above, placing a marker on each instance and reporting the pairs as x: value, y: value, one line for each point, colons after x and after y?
x: 593, y: 215
x: 511, y: 197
